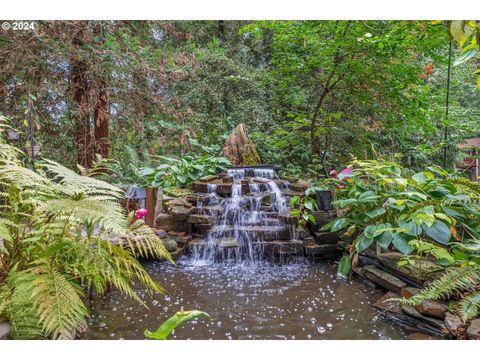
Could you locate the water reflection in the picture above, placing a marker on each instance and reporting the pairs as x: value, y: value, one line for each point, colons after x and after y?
x: 248, y: 301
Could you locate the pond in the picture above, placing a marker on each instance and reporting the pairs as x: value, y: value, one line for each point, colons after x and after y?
x: 261, y: 300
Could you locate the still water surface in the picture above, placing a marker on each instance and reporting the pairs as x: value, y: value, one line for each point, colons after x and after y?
x: 248, y: 301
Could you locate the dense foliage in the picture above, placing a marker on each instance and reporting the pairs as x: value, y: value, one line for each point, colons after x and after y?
x: 173, y: 172
x: 430, y: 213
x: 152, y: 102
x: 56, y: 232
x: 311, y: 93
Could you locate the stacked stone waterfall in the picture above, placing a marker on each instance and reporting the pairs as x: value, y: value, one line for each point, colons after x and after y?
x: 246, y: 212
x: 243, y: 214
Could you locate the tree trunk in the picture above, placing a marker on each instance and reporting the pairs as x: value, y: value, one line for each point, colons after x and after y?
x: 100, y: 116
x: 79, y: 81
x: 100, y: 112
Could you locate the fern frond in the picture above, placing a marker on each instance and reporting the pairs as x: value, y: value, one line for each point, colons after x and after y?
x: 73, y: 183
x: 57, y: 301
x: 469, y: 307
x: 454, y: 280
x: 17, y: 307
x: 143, y: 241
x: 472, y: 186
x: 107, y: 215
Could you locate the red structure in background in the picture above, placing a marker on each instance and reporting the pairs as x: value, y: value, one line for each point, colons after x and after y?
x: 472, y: 162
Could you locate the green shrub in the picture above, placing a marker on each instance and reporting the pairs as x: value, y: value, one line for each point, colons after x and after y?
x: 429, y: 212
x: 179, y: 172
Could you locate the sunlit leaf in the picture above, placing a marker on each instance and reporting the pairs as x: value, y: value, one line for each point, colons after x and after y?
x: 180, y: 317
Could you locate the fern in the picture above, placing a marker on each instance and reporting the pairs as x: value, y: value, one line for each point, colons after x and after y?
x: 57, y: 235
x: 469, y: 307
x: 57, y: 300
x: 454, y: 280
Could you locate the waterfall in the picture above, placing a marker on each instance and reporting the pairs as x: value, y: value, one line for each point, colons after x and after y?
x: 247, y: 216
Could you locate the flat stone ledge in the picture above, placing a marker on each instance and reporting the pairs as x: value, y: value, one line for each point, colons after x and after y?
x: 326, y: 237
x: 384, y: 279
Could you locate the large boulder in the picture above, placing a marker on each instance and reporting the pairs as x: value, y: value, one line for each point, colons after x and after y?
x: 454, y: 324
x: 473, y: 331
x: 164, y: 222
x: 418, y: 270
x: 170, y: 244
x: 180, y: 213
x: 432, y: 308
x: 239, y: 148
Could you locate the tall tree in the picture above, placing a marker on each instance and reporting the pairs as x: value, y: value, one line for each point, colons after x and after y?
x: 80, y: 88
x: 101, y: 104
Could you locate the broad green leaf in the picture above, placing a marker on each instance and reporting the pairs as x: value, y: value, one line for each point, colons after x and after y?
x: 344, y: 203
x: 466, y: 54
x: 460, y: 31
x: 401, y: 244
x: 339, y: 224
x: 362, y: 243
x: 311, y: 218
x: 442, y: 216
x: 180, y: 317
x: 413, y: 228
x: 294, y: 200
x: 372, y: 231
x: 420, y: 218
x: 420, y: 178
x: 439, y: 231
x: 344, y: 265
x: 439, y: 192
x: 415, y: 194
x: 375, y: 212
x: 385, y: 239
x: 146, y: 171
x: 452, y: 212
x: 309, y: 204
x: 368, y: 197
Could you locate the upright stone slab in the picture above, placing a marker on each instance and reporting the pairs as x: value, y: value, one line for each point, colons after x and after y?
x: 239, y: 149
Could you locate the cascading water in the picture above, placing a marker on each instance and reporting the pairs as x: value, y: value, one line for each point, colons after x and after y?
x: 246, y: 218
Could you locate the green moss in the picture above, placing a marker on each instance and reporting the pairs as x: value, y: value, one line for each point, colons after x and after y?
x: 251, y: 157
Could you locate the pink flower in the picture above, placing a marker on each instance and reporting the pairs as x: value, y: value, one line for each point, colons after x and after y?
x: 346, y: 170
x: 333, y: 173
x: 141, y: 213
x: 344, y: 174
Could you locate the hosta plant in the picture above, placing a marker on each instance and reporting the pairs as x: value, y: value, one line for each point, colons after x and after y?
x: 179, y: 172
x: 383, y: 205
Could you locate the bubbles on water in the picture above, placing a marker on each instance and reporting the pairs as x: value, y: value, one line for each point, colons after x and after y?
x: 245, y: 304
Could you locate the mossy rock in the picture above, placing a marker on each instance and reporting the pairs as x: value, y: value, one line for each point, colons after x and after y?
x: 177, y: 192
x: 170, y: 244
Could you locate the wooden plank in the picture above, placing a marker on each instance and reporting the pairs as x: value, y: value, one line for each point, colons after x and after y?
x: 150, y: 205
